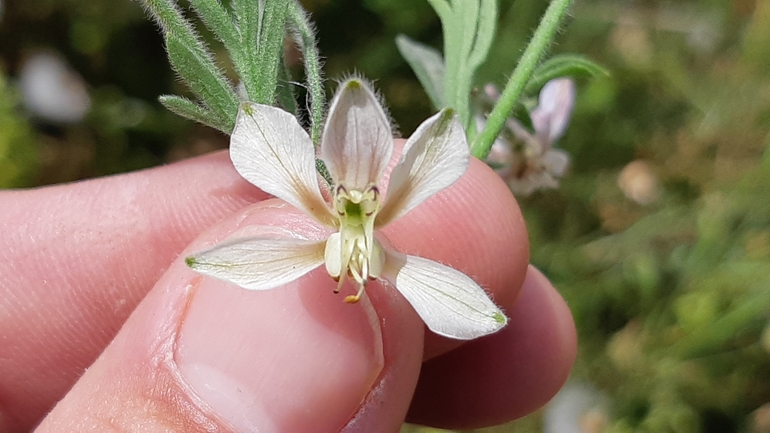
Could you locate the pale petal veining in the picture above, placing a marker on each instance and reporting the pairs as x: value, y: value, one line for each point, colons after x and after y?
x: 270, y: 149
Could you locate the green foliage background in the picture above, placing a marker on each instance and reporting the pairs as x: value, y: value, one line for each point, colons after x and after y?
x: 671, y: 298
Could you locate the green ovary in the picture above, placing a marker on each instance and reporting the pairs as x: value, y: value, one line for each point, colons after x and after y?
x: 353, y: 251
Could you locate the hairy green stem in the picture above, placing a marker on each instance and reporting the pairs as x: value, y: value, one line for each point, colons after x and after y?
x: 304, y: 36
x: 540, y: 42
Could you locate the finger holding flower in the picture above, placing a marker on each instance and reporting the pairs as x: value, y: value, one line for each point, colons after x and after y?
x: 271, y: 150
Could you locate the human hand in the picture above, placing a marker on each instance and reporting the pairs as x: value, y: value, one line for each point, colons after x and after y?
x: 199, y: 354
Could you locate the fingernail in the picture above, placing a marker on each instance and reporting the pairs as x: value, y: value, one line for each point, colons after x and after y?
x: 295, y: 358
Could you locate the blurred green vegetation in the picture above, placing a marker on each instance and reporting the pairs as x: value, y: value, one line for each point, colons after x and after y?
x: 18, y: 154
x: 659, y: 238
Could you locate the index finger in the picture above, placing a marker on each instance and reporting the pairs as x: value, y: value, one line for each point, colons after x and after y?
x: 76, y: 259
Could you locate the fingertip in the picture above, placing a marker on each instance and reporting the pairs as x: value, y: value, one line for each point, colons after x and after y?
x: 506, y: 375
x: 474, y: 226
x: 82, y: 255
x: 200, y: 353
x: 562, y: 316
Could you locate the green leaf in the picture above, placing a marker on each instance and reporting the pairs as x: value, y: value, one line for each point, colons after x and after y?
x: 220, y: 22
x: 223, y: 24
x: 304, y: 37
x: 204, y: 78
x: 563, y: 65
x: 468, y: 28
x: 428, y: 66
x: 270, y: 49
x: 459, y: 36
x: 189, y: 109
x: 170, y: 18
x: 485, y: 33
x: 193, y: 61
x: 248, y: 14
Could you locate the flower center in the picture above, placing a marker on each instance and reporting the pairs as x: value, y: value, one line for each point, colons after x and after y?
x: 353, y: 251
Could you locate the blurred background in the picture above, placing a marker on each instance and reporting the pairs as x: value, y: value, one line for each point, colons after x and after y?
x: 659, y: 236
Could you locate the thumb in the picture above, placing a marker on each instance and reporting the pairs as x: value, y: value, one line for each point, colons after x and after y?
x: 199, y: 354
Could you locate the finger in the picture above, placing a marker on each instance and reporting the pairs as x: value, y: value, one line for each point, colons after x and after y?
x: 98, y: 283
x: 76, y: 259
x: 474, y: 226
x: 200, y: 354
x: 506, y: 375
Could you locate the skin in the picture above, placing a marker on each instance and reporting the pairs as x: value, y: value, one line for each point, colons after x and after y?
x: 104, y: 328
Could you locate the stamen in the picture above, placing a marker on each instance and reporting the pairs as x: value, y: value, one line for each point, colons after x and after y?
x: 356, y: 209
x: 340, y: 281
x: 352, y: 299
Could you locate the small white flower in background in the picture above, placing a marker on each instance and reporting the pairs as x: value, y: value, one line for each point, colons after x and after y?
x: 639, y: 182
x: 271, y: 150
x: 526, y: 160
x: 52, y: 90
x: 577, y: 408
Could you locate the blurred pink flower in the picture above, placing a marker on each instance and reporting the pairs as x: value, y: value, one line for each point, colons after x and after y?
x: 526, y: 160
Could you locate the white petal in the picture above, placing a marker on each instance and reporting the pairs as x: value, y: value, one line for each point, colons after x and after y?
x: 333, y: 255
x: 357, y: 140
x: 556, y: 162
x: 552, y: 115
x: 449, y: 302
x: 259, y: 263
x: 271, y: 150
x: 435, y: 156
x: 532, y: 182
x: 524, y: 187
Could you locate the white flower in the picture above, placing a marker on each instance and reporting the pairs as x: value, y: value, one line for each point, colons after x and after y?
x: 271, y: 150
x: 531, y: 163
x: 52, y: 89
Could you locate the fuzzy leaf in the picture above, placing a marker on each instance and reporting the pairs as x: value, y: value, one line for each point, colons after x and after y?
x: 189, y: 109
x: 563, y: 65
x: 485, y: 33
x: 204, y: 79
x: 219, y: 21
x: 428, y: 65
x: 270, y: 50
x: 304, y: 37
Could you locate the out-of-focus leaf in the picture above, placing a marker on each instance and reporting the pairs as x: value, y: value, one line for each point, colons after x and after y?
x: 428, y: 64
x: 563, y: 65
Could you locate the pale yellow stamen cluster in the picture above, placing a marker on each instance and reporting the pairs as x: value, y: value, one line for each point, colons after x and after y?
x: 353, y: 251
